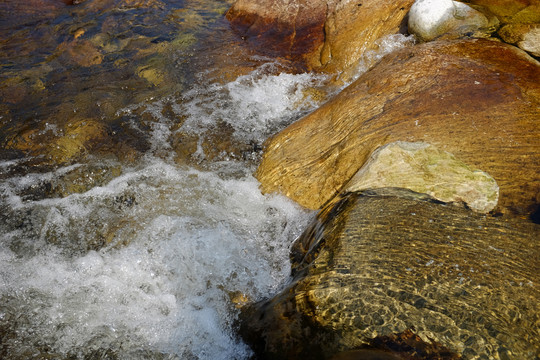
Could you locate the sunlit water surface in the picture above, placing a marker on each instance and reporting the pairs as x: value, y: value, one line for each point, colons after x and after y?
x: 151, y: 254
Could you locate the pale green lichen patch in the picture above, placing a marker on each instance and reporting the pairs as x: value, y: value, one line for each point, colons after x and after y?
x: 423, y: 168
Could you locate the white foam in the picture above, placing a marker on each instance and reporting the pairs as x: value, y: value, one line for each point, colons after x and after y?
x: 148, y: 263
x: 384, y: 46
x: 254, y: 105
x: 184, y: 242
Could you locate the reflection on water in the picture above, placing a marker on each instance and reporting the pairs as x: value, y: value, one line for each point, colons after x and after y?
x: 130, y: 224
x: 67, y: 70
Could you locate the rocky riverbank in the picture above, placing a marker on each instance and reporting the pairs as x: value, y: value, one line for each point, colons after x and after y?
x: 380, y: 262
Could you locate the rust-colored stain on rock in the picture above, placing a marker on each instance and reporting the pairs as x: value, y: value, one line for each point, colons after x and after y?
x: 322, y: 35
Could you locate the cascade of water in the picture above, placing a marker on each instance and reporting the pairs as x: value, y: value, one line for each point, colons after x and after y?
x: 153, y: 261
x: 150, y: 259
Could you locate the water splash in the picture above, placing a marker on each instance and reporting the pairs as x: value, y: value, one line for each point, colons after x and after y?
x: 254, y: 105
x: 179, y: 246
x: 384, y: 46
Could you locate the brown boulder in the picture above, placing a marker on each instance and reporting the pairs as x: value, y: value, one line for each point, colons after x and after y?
x: 324, y: 34
x: 380, y: 262
x: 477, y: 99
x: 520, y: 19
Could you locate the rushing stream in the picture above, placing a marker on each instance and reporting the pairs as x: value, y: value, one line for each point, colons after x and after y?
x: 130, y: 224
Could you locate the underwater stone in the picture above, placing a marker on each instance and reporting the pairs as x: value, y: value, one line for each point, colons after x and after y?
x: 382, y: 261
x: 80, y: 52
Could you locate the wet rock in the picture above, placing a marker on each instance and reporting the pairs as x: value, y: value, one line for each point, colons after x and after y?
x: 512, y: 11
x: 381, y: 262
x: 520, y: 19
x: 430, y: 19
x: 423, y: 168
x: 330, y: 35
x: 477, y: 99
x: 525, y: 36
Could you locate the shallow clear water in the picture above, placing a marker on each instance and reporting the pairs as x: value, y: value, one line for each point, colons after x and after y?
x: 130, y: 224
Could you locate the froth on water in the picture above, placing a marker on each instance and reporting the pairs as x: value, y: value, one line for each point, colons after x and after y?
x: 180, y: 251
x: 151, y: 259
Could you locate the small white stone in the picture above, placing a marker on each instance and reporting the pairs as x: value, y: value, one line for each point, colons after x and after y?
x: 531, y: 42
x: 429, y: 19
x: 426, y: 16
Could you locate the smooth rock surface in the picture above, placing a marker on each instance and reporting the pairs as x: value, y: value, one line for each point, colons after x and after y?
x: 328, y: 35
x: 429, y: 19
x: 477, y: 99
x: 423, y: 168
x: 380, y: 262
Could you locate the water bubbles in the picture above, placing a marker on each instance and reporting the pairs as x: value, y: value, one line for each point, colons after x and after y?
x: 254, y: 105
x: 178, y: 243
x: 385, y: 45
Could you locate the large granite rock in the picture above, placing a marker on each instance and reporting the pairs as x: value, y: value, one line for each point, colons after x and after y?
x: 322, y: 34
x: 477, y: 99
x: 423, y: 168
x: 380, y: 262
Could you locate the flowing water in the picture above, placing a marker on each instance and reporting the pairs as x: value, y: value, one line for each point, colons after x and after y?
x: 130, y: 224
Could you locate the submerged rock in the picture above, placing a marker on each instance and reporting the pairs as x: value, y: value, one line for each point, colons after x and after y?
x: 402, y: 346
x: 325, y: 34
x: 478, y: 99
x: 30, y: 10
x: 423, y: 168
x: 80, y: 52
x: 80, y: 138
x: 429, y: 19
x: 381, y: 262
